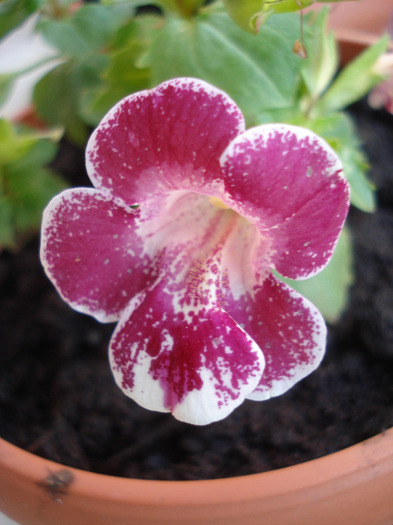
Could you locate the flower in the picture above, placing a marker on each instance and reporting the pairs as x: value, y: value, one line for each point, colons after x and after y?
x: 178, y: 239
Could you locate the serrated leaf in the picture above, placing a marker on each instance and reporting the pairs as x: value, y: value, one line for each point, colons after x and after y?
x: 258, y: 72
x: 328, y: 290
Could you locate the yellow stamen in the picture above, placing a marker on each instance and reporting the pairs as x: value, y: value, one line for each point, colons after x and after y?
x: 218, y: 203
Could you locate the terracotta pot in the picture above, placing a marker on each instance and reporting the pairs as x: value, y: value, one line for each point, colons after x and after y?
x: 357, y: 24
x: 351, y: 487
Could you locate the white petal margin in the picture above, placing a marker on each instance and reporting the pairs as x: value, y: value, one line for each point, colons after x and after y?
x: 200, y: 403
x: 91, y: 253
x: 289, y: 182
x: 277, y: 387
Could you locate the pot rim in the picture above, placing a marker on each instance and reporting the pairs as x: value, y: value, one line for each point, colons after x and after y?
x: 357, y: 464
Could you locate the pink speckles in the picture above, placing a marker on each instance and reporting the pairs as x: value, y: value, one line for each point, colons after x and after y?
x: 312, y: 211
x: 187, y: 270
x: 177, y: 355
x: 291, y: 337
x: 79, y: 237
x: 164, y: 153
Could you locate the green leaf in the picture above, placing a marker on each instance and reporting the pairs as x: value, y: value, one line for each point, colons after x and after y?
x: 26, y: 184
x: 169, y: 5
x: 339, y: 131
x: 14, y: 12
x: 258, y: 72
x: 123, y: 74
x: 287, y: 6
x: 7, y: 231
x: 31, y: 189
x: 363, y: 191
x: 65, y: 37
x: 42, y: 152
x: 322, y: 61
x: 334, y: 1
x: 6, y: 84
x: 328, y: 290
x: 355, y: 80
x: 190, y: 7
x: 88, y: 30
x: 245, y: 13
x: 12, y: 145
x: 57, y: 95
x: 251, y: 14
x: 55, y: 98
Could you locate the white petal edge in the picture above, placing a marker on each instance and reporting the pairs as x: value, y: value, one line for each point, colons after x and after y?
x: 281, y: 386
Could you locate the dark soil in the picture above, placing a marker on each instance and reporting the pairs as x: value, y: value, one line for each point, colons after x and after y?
x: 58, y: 398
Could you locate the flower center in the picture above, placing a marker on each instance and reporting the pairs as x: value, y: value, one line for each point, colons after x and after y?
x: 218, y: 203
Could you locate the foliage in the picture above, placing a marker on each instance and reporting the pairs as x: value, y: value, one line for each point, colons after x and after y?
x: 328, y: 289
x: 25, y: 184
x: 14, y: 12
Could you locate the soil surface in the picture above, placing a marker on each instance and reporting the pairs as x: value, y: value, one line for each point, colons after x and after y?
x: 58, y: 398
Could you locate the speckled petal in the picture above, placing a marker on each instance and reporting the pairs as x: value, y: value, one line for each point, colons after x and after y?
x: 91, y: 253
x: 165, y: 139
x: 289, y: 182
x: 178, y: 351
x: 289, y: 330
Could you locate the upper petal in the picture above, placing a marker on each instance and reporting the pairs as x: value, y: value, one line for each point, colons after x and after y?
x: 91, y: 252
x: 288, y: 181
x: 168, y: 138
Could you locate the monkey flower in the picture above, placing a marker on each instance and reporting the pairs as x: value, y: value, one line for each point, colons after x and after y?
x: 177, y: 242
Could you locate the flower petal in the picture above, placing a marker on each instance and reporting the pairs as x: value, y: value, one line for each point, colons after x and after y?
x: 185, y: 229
x: 288, y: 181
x: 289, y: 330
x: 91, y: 253
x: 168, y: 138
x: 173, y: 351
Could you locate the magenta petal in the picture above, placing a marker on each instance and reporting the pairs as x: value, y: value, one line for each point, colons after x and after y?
x: 174, y: 353
x: 288, y: 181
x: 168, y: 138
x: 91, y: 253
x: 289, y: 330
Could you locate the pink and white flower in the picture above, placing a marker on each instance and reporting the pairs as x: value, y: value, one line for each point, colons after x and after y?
x: 177, y: 241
